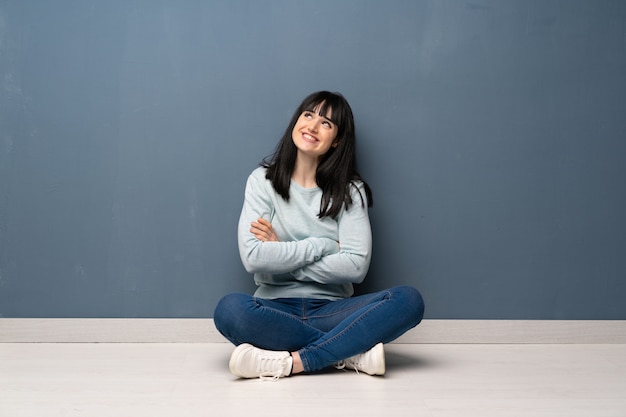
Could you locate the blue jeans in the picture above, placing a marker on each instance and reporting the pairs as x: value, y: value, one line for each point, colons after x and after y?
x: 323, y: 332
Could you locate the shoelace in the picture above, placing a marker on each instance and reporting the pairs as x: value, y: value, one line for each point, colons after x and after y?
x: 344, y: 363
x: 271, y: 369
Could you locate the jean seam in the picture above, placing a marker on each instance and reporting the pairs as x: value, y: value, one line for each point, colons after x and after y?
x: 345, y: 330
x: 285, y: 314
x: 350, y: 308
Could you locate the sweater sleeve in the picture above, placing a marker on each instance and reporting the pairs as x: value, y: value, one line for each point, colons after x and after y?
x: 351, y: 263
x: 273, y: 257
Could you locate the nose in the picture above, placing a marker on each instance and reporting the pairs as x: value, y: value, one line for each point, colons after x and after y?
x: 313, y: 124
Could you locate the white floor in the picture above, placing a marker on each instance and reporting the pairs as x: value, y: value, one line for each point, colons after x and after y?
x: 119, y: 380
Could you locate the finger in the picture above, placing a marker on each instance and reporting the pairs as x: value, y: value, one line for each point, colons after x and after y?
x: 263, y: 230
x: 259, y: 232
x: 264, y: 222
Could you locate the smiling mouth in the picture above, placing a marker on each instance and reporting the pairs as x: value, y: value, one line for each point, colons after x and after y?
x: 309, y: 138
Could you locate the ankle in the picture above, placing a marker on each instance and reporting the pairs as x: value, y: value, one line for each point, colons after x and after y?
x: 296, y: 366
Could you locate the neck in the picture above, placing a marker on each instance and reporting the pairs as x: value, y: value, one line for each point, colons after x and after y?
x: 304, y: 172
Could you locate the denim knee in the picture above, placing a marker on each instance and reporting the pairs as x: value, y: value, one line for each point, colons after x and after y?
x: 411, y: 301
x: 228, y: 308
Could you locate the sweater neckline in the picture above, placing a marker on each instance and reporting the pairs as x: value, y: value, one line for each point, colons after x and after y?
x: 304, y: 189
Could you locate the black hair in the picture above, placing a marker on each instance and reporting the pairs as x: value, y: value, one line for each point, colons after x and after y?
x: 336, y: 173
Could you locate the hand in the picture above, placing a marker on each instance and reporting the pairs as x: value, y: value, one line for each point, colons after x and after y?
x: 263, y: 230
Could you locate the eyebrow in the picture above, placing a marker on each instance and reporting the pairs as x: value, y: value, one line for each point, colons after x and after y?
x: 321, y: 115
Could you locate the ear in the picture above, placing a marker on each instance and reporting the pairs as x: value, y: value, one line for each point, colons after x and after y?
x: 335, y: 144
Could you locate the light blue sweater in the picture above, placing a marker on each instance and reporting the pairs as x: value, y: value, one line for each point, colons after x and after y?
x: 315, y: 258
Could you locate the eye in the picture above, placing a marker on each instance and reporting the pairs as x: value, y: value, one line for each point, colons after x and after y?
x: 307, y: 114
x: 328, y: 124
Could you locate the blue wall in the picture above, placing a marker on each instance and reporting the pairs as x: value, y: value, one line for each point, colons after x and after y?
x: 493, y: 134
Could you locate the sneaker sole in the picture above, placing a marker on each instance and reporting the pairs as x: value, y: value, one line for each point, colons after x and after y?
x: 379, y: 351
x: 233, y: 364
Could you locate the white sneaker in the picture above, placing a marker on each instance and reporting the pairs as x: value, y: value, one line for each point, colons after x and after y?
x: 371, y: 362
x: 248, y: 361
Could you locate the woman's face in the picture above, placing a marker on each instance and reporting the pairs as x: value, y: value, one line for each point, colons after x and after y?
x: 314, y: 134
